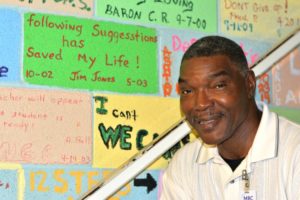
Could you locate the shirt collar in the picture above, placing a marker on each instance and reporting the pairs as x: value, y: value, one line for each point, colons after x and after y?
x: 265, y: 141
x: 206, y: 153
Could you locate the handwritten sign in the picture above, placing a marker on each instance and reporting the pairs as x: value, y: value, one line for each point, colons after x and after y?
x: 57, y: 182
x: 172, y: 48
x: 123, y: 125
x: 285, y: 82
x: 10, y: 41
x: 78, y: 7
x: 89, y: 54
x: 40, y: 126
x: 72, y: 181
x: 174, y: 45
x: 250, y: 18
x: 188, y: 14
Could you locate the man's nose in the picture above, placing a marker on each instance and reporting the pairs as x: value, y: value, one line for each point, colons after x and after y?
x: 203, y: 99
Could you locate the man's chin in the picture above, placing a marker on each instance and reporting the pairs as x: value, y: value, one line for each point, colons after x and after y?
x: 210, y: 137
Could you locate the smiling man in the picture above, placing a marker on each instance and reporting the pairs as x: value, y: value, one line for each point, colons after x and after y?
x: 244, y: 151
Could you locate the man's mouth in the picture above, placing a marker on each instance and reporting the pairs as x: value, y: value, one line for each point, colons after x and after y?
x: 204, y: 122
x: 207, y: 122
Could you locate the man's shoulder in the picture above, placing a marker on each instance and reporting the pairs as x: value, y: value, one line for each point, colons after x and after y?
x: 185, y: 158
x: 189, y: 150
x: 289, y: 133
x: 285, y: 125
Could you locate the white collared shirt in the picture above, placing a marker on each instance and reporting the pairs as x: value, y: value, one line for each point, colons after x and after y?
x: 198, y: 172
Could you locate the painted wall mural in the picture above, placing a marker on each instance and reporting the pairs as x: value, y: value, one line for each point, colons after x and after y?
x: 87, y: 84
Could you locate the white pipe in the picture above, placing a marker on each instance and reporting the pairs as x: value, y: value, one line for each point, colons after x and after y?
x: 276, y: 54
x: 138, y: 162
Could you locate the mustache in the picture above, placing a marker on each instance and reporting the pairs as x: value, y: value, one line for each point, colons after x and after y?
x: 204, y: 117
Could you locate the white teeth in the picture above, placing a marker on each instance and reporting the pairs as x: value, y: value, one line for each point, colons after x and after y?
x: 205, y: 122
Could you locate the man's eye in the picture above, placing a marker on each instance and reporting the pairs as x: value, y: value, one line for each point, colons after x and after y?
x: 185, y: 91
x: 220, y: 85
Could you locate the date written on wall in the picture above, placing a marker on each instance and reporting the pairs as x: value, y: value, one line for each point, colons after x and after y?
x: 186, y: 18
x: 82, y: 5
x: 78, y: 76
x: 110, y: 61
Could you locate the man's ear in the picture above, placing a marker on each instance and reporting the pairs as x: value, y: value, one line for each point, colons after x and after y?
x: 250, y: 83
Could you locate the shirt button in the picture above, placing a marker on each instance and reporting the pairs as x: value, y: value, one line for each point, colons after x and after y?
x: 232, y: 181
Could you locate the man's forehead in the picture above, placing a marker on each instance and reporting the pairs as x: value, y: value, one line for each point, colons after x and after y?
x: 210, y: 63
x: 207, y: 64
x: 211, y: 75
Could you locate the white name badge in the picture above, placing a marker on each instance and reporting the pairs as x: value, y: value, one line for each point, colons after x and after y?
x: 251, y: 195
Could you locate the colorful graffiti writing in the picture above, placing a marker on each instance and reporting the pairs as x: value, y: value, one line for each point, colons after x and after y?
x: 264, y: 88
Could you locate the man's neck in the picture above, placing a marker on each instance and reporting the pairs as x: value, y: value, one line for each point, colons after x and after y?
x: 239, y: 144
